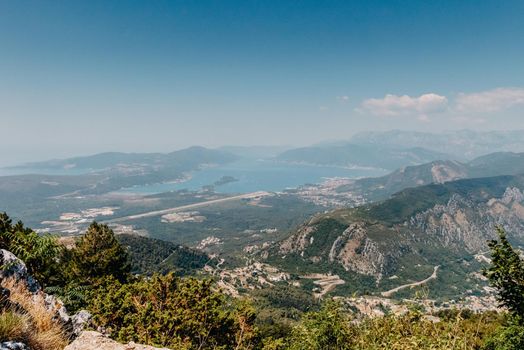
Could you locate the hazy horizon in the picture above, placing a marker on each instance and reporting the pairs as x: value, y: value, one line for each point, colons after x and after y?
x: 80, y: 78
x: 65, y: 154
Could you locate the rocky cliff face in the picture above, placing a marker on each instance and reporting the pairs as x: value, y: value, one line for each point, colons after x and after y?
x: 44, y: 318
x: 464, y: 224
x: 351, y: 248
x: 357, y: 252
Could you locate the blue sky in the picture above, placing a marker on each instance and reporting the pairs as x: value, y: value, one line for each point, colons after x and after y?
x: 79, y: 77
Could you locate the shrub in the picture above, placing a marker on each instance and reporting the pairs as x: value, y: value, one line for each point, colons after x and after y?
x: 328, y: 328
x: 41, y: 253
x: 170, y: 311
x: 412, y: 332
x: 506, y: 338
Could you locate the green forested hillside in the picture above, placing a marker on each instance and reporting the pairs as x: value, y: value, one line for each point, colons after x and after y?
x: 149, y: 255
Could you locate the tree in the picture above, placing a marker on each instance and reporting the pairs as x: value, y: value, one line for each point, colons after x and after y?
x: 98, y: 254
x: 506, y: 274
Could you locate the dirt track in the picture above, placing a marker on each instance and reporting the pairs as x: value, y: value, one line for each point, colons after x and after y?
x: 390, y: 292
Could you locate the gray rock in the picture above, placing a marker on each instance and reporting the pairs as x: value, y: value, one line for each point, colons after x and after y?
x: 74, y: 324
x: 80, y: 321
x: 14, y: 267
x: 89, y: 340
x: 11, y: 266
x: 11, y: 345
x: 54, y: 304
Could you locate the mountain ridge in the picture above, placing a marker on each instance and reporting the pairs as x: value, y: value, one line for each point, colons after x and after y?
x: 357, y: 155
x: 439, y: 171
x: 381, y: 244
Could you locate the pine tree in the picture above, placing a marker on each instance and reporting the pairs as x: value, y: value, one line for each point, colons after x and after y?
x: 506, y: 274
x: 98, y: 254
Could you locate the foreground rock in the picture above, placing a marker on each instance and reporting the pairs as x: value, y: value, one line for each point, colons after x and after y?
x: 14, y: 267
x: 10, y: 345
x: 89, y: 340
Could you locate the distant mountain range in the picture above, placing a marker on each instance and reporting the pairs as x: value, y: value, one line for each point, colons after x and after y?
x: 394, y: 149
x: 356, y: 155
x: 255, y: 152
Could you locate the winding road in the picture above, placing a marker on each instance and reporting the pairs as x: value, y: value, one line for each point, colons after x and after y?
x: 390, y: 292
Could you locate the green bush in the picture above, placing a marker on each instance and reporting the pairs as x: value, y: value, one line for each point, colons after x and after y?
x: 170, y: 311
x: 41, y: 253
x: 506, y: 338
x: 328, y: 328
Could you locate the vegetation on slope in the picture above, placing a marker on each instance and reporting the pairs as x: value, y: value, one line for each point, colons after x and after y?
x: 189, y: 313
x: 149, y: 255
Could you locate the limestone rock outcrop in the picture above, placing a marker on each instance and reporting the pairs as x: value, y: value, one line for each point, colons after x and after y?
x: 90, y: 340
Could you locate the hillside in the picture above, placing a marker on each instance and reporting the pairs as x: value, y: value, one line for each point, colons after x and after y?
x: 353, y: 155
x: 380, y: 246
x: 440, y: 171
x: 149, y: 255
x: 113, y: 160
x: 111, y: 172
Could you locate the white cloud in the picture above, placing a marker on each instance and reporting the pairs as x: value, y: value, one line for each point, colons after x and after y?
x: 343, y: 98
x: 393, y: 105
x: 489, y: 101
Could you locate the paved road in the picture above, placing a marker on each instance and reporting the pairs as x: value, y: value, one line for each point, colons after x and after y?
x: 390, y: 292
x: 186, y: 207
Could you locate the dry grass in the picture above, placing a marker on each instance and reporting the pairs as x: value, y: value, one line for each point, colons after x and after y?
x: 34, y: 325
x: 13, y: 326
